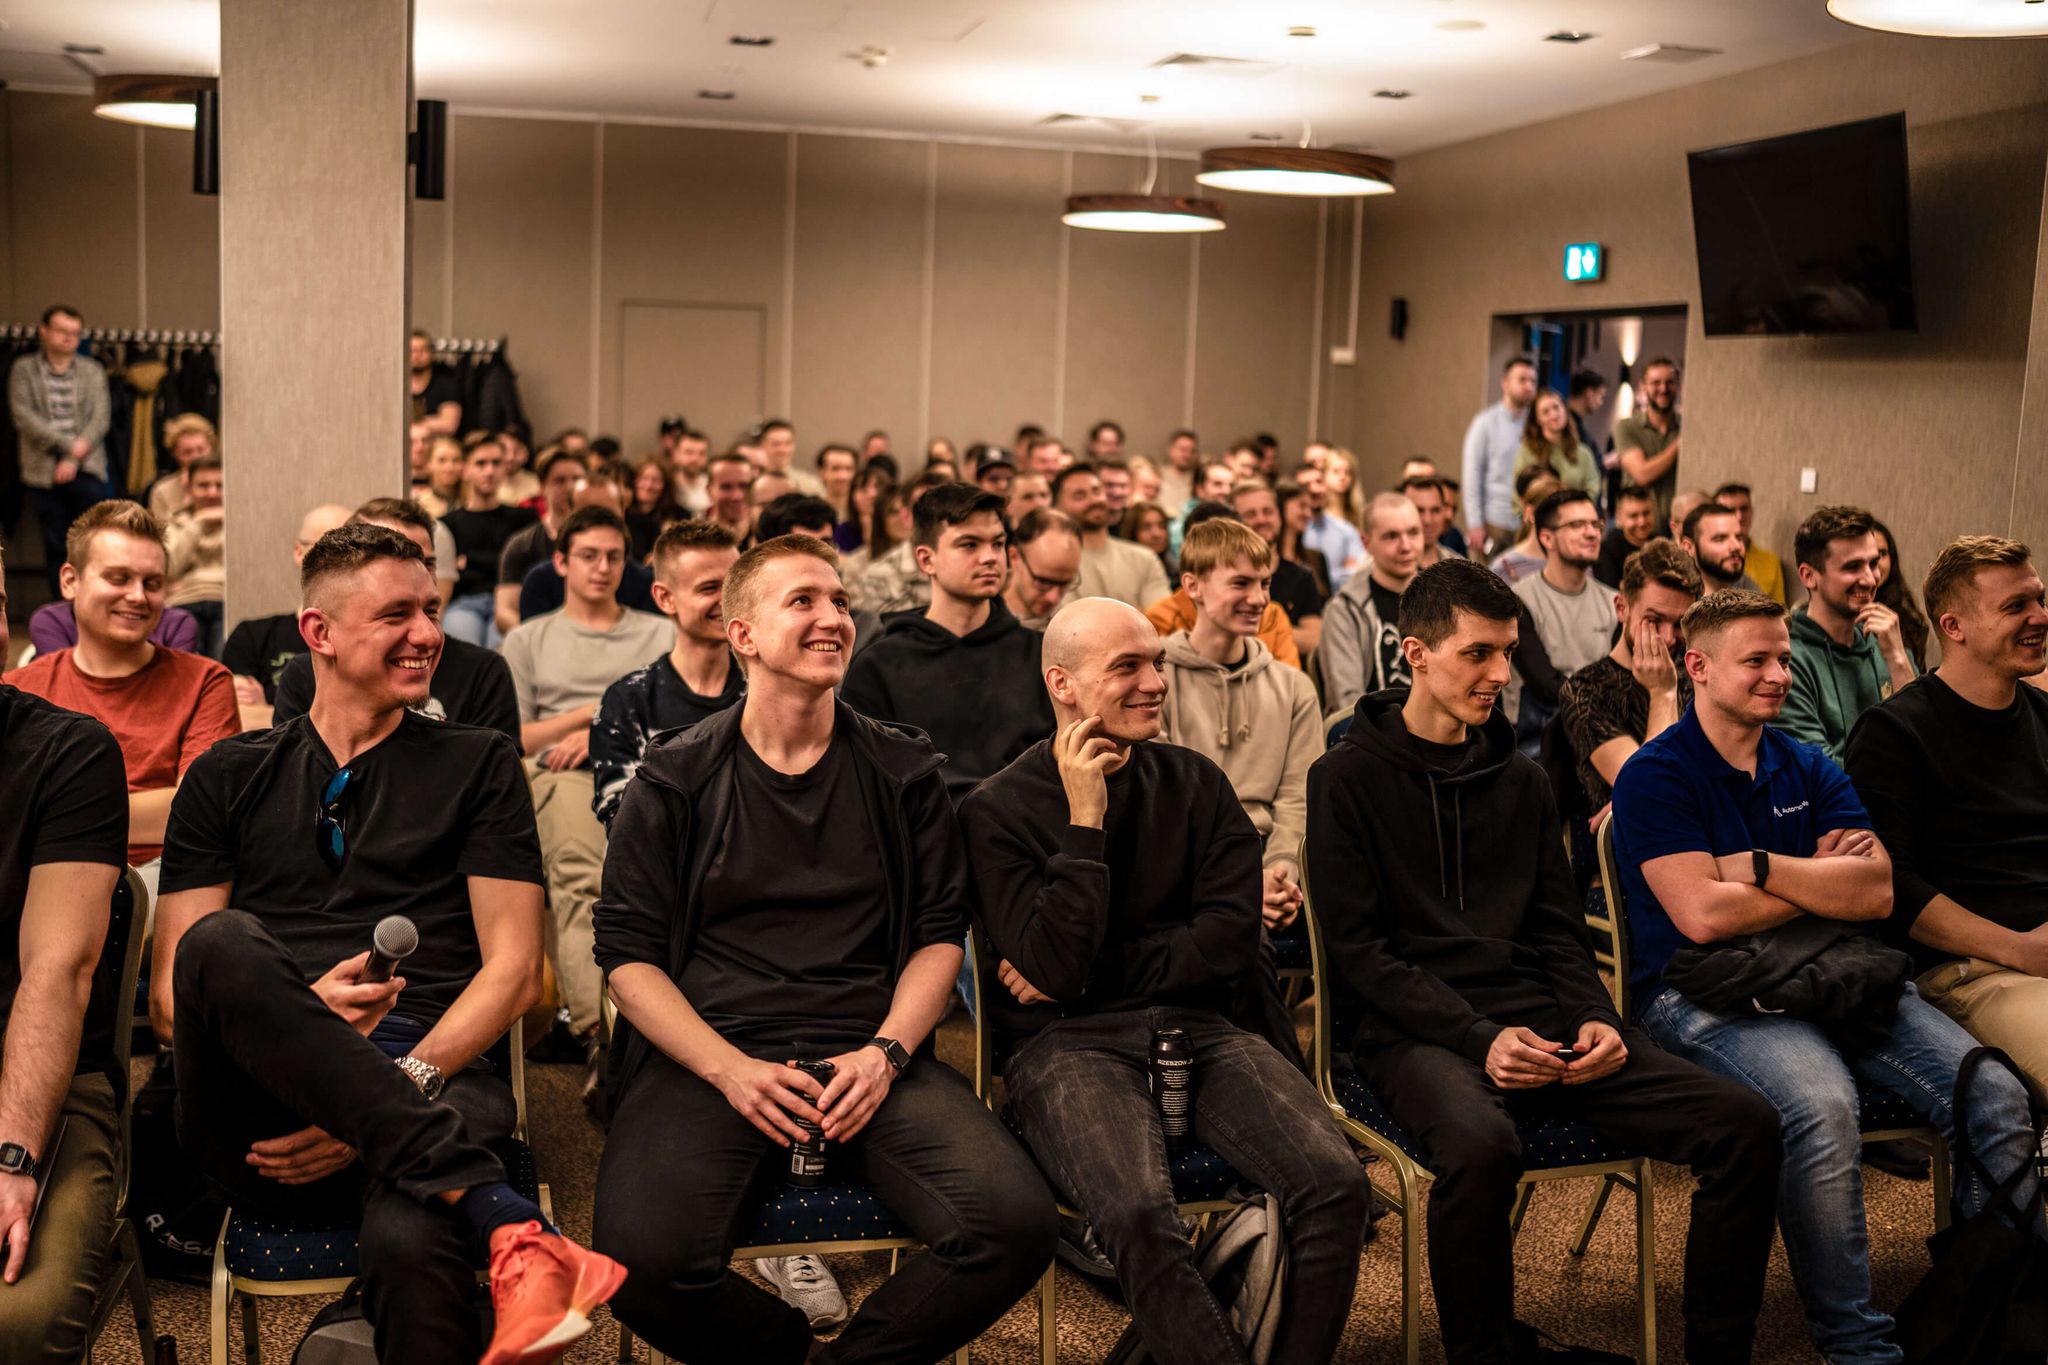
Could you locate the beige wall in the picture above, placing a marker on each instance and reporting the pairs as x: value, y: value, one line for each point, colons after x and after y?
x: 1925, y: 428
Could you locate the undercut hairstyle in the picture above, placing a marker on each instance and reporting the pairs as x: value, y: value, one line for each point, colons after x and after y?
x: 189, y: 424
x: 349, y: 549
x: 589, y: 519
x: 742, y: 582
x: 1956, y: 568
x: 1586, y: 381
x: 404, y: 511
x: 1635, y: 493
x: 951, y: 504
x: 1825, y: 525
x: 1513, y: 361
x: 1220, y: 542
x: 792, y: 512
x: 1690, y: 528
x: 1717, y: 611
x: 115, y: 514
x: 1040, y: 521
x: 1072, y: 471
x: 1553, y: 505
x: 1729, y: 488
x: 62, y: 310
x: 1207, y: 510
x: 681, y: 537
x: 1664, y: 564
x: 1430, y: 606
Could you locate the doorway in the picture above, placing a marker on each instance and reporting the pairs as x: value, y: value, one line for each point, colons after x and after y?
x: 1613, y: 343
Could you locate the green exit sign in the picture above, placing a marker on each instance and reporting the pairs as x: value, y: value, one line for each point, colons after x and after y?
x: 1584, y: 262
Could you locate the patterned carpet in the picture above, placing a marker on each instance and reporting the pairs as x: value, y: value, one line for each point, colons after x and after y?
x: 1589, y: 1300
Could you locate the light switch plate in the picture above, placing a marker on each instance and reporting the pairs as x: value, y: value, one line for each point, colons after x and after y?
x: 1809, y: 481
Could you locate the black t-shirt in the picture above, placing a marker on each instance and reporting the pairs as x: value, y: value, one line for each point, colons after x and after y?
x: 479, y: 539
x: 1294, y: 588
x: 427, y: 807
x: 1614, y: 552
x: 526, y: 548
x: 260, y: 648
x: 794, y: 944
x: 65, y: 801
x: 1445, y: 758
x: 1393, y: 664
x: 441, y: 388
x: 471, y: 686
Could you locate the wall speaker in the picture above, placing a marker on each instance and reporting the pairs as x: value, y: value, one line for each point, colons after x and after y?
x: 206, y: 143
x: 430, y: 150
x: 1398, y: 327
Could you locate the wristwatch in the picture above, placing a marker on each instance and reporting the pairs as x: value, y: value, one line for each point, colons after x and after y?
x: 1760, y: 865
x: 16, y: 1159
x: 899, y: 1060
x: 425, y: 1075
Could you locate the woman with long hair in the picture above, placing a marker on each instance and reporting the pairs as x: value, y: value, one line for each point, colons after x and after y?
x: 1343, y: 493
x: 1296, y: 510
x: 1145, y: 524
x: 1892, y: 590
x: 888, y: 526
x: 850, y: 535
x: 443, y: 488
x: 1551, y: 443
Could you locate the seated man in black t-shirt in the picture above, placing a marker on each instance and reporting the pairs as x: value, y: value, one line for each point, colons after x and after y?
x: 786, y: 881
x: 481, y: 526
x: 1121, y: 885
x: 288, y: 1096
x: 259, y: 647
x: 63, y: 843
x: 471, y: 685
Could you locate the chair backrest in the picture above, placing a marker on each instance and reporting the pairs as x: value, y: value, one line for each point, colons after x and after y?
x: 980, y: 960
x: 1320, y: 1017
x: 515, y: 1069
x: 107, y: 1041
x: 1617, y: 912
x: 1335, y: 728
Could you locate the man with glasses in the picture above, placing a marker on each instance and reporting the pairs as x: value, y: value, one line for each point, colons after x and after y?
x: 1567, y: 617
x: 59, y: 402
x: 308, y: 1089
x: 1045, y: 559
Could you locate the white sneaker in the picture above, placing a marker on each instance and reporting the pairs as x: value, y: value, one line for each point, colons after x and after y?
x: 805, y: 1283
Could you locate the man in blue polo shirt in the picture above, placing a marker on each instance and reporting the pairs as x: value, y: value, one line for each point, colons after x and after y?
x: 1726, y: 828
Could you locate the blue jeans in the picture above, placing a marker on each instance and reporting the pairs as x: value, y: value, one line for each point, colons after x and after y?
x: 473, y: 619
x: 1820, y: 1194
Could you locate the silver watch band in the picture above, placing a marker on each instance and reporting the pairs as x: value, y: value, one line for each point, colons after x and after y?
x: 423, y: 1074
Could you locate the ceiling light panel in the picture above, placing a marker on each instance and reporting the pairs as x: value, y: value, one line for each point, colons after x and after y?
x: 1947, y: 18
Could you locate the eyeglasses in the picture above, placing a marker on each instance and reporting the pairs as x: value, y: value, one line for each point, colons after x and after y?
x: 1044, y: 584
x: 330, y: 822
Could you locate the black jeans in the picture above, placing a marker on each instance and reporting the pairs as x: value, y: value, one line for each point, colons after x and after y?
x: 679, y: 1164
x: 258, y: 1055
x: 1656, y: 1104
x: 1083, y: 1098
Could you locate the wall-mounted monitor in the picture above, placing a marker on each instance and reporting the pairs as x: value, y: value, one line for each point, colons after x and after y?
x: 1805, y: 235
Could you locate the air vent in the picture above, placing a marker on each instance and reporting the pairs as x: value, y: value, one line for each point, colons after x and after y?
x: 1392, y: 94
x: 1195, y: 62
x: 714, y: 94
x: 1568, y: 35
x: 1267, y: 137
x: 1121, y: 125
x: 751, y: 40
x: 1668, y: 52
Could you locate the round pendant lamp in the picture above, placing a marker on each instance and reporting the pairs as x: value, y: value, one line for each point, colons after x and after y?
x: 1143, y: 213
x: 155, y: 101
x: 1315, y: 171
x: 1947, y: 18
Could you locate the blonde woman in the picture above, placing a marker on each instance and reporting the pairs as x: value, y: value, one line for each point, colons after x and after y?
x: 1342, y: 491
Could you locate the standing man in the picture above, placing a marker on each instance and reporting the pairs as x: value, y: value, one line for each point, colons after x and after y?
x: 964, y: 670
x: 1361, y: 625
x: 786, y: 881
x: 436, y: 398
x: 1109, y: 567
x: 1045, y: 559
x: 1491, y: 443
x: 1847, y: 652
x: 1646, y: 441
x: 1587, y: 395
x: 695, y: 679
x: 562, y: 662
x: 59, y: 402
x: 307, y: 1091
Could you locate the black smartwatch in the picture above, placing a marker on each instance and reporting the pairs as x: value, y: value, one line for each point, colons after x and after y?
x: 1760, y: 866
x: 16, y: 1159
x: 899, y: 1060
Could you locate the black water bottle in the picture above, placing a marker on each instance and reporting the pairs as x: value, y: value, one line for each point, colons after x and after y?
x: 167, y: 1350
x: 808, y: 1163
x: 1173, y: 1081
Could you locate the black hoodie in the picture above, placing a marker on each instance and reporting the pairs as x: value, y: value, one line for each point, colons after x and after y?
x: 1444, y: 897
x: 672, y: 822
x: 980, y: 696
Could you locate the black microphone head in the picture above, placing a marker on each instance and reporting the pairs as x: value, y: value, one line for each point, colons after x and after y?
x: 395, y: 937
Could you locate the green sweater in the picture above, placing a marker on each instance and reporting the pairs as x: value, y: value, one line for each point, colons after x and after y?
x: 1831, y: 684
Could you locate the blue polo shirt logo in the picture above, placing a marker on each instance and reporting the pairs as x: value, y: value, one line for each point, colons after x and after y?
x: 1677, y: 794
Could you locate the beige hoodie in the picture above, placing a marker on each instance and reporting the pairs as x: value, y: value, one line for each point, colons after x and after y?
x: 1261, y: 724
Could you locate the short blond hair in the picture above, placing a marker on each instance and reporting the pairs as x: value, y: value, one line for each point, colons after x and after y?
x: 1221, y: 541
x: 115, y: 514
x: 1957, y: 566
x: 742, y: 590
x: 1717, y: 611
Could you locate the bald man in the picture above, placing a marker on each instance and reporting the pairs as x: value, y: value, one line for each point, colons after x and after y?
x: 258, y: 649
x: 1120, y: 884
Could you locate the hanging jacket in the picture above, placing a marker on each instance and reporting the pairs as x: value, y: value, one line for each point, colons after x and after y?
x: 1827, y: 971
x: 199, y: 384
x: 1445, y: 897
x: 144, y: 378
x: 497, y: 400
x: 1260, y: 723
x: 1831, y: 685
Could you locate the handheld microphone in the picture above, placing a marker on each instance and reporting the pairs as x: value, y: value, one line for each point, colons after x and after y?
x: 395, y: 939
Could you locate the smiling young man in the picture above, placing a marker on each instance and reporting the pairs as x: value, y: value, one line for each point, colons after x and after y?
x: 1120, y: 887
x: 165, y: 707
x: 1045, y: 559
x: 1712, y: 535
x: 1955, y: 772
x: 309, y: 1092
x: 1115, y: 568
x: 1847, y: 652
x: 1566, y: 614
x: 1361, y: 640
x: 1635, y: 525
x: 963, y: 670
x: 1256, y: 505
x: 1465, y: 986
x: 482, y: 526
x: 1646, y: 442
x: 786, y: 882
x: 1725, y: 828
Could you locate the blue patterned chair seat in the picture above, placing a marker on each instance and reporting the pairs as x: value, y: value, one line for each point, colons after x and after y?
x: 276, y: 1251
x: 1198, y: 1172
x: 1290, y: 948
x: 845, y: 1211
x: 1882, y: 1110
x: 1547, y: 1143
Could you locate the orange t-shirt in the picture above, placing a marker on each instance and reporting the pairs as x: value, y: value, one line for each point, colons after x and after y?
x: 164, y: 715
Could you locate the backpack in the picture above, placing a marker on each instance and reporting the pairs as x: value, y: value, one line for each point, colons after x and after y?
x: 1243, y: 1259
x: 1985, y: 1300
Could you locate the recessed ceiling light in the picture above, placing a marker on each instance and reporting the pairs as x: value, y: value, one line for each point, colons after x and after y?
x: 1148, y: 99
x: 751, y: 40
x: 1568, y: 35
x: 1947, y: 18
x: 1461, y: 26
x: 1302, y: 31
x: 714, y: 94
x: 1392, y: 94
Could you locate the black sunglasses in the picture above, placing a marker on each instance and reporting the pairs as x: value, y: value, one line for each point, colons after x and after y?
x: 330, y: 821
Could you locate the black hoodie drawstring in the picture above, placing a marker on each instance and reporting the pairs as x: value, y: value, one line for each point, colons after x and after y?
x: 1436, y: 825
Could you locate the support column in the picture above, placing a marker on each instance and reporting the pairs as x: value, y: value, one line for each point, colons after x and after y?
x: 316, y: 101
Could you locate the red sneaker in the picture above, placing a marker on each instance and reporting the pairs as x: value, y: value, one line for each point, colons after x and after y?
x: 543, y: 1287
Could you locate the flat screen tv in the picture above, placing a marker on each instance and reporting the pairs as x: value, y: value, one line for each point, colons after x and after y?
x: 1805, y: 235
